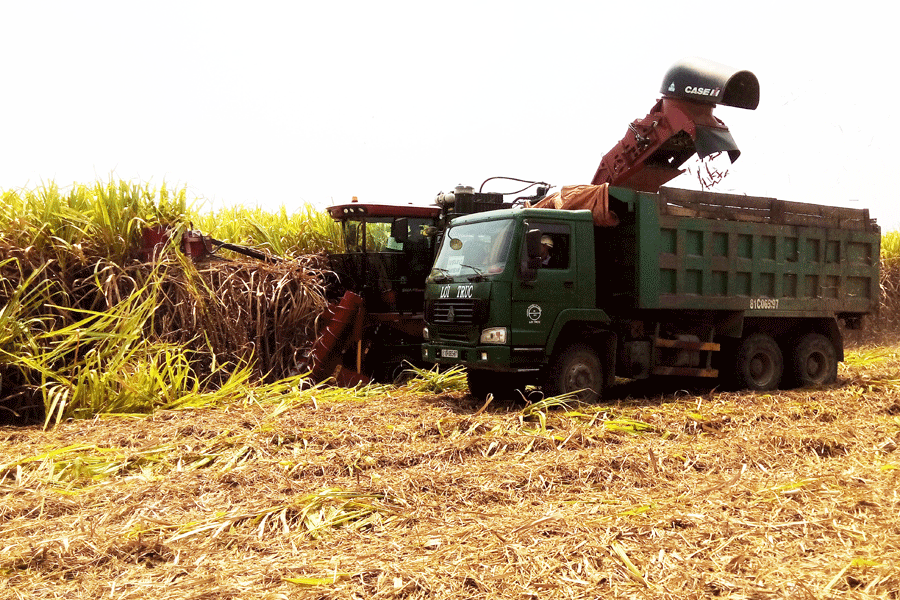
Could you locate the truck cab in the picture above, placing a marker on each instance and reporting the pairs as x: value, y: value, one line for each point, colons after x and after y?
x: 493, y: 299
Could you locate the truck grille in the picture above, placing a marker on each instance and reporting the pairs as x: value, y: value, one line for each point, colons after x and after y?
x: 456, y: 336
x: 456, y: 312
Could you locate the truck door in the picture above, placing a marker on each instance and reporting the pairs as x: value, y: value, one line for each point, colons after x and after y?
x: 537, y: 303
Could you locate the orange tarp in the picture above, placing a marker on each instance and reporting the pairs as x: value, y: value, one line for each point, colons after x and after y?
x: 594, y: 198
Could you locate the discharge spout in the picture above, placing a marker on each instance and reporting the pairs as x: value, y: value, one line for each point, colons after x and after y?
x: 679, y: 125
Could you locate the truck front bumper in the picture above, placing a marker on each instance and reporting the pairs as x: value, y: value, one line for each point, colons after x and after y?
x: 487, y: 357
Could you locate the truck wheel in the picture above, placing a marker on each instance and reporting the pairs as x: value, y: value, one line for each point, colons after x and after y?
x: 577, y: 370
x: 760, y: 364
x: 481, y: 383
x: 814, y: 361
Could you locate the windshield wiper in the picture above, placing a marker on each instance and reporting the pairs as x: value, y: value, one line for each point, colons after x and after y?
x: 479, y: 276
x: 443, y: 277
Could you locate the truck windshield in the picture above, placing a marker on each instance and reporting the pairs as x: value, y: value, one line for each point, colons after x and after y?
x: 473, y: 249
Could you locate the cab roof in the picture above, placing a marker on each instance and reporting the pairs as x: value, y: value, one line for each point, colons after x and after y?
x: 360, y: 209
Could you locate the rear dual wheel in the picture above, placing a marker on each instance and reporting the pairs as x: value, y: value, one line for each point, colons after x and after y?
x: 814, y: 361
x: 759, y: 363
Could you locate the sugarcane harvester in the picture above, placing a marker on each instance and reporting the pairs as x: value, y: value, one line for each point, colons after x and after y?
x: 372, y: 329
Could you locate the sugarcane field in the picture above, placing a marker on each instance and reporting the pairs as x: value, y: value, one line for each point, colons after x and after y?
x: 161, y: 438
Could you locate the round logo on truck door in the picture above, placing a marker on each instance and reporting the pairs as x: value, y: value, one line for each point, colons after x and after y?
x: 534, y: 313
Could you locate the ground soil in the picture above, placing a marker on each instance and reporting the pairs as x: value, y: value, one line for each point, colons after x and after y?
x: 688, y: 493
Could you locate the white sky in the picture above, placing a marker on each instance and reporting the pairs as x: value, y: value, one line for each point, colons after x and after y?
x: 276, y: 103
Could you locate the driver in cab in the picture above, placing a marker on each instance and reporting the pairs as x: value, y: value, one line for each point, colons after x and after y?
x: 548, y: 260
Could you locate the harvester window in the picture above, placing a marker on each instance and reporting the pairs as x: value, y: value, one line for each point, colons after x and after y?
x: 378, y: 237
x: 353, y: 236
x: 375, y: 236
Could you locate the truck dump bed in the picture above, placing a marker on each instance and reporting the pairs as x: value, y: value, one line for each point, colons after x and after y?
x: 681, y: 249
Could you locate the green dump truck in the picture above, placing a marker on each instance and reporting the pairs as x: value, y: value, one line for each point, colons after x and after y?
x: 749, y: 290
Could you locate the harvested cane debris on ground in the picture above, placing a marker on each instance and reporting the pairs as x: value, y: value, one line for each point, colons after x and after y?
x: 386, y: 492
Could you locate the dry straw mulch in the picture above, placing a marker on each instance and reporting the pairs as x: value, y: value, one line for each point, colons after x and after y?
x: 402, y: 495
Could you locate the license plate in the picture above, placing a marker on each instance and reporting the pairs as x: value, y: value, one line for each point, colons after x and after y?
x: 446, y: 353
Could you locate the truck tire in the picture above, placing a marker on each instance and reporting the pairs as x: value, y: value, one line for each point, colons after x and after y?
x: 577, y: 370
x: 814, y: 361
x: 500, y: 385
x: 759, y: 365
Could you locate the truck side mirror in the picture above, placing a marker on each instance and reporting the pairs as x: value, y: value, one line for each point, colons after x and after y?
x: 400, y: 229
x: 532, y: 261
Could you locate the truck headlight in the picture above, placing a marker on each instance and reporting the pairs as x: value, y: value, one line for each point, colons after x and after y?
x: 494, y: 335
x: 426, y: 335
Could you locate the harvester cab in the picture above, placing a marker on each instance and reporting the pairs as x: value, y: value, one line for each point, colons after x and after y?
x: 388, y: 251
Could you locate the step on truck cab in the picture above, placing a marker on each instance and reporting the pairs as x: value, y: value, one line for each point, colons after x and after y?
x: 748, y: 290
